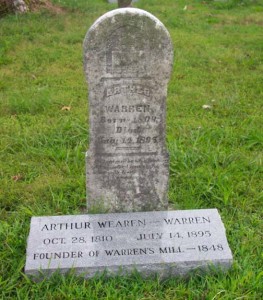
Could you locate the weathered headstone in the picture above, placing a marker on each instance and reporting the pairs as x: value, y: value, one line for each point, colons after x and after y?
x: 167, y: 243
x: 128, y: 59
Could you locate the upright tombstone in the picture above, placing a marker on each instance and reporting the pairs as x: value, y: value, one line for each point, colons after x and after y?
x: 128, y: 59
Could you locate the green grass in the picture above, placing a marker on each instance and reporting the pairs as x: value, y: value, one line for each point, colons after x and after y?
x: 215, y: 155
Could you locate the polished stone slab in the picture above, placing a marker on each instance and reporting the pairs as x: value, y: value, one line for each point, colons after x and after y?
x: 166, y: 243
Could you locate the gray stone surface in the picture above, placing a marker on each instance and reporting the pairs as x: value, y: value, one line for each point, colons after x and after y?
x: 20, y: 6
x: 124, y: 3
x: 167, y: 243
x: 128, y: 59
x: 115, y: 1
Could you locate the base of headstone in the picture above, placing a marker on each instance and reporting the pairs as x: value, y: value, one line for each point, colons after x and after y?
x: 167, y: 243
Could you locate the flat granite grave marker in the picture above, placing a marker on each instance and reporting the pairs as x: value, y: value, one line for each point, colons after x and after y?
x: 168, y: 243
x: 128, y: 58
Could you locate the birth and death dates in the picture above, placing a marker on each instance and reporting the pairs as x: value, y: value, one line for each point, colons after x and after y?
x: 139, y: 140
x: 77, y: 240
x: 140, y: 236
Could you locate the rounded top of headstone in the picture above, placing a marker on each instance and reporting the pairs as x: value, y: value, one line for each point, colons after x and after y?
x: 127, y: 11
x: 140, y: 35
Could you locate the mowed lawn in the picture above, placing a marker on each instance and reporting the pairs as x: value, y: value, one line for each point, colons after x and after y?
x: 214, y: 137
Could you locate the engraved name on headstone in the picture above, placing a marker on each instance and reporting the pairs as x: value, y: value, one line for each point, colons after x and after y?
x: 128, y: 61
x: 167, y: 243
